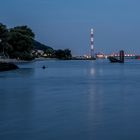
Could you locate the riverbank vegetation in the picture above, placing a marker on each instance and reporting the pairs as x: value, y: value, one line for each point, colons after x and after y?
x: 19, y: 43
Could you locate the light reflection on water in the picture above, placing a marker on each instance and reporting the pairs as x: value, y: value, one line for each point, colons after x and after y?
x: 70, y: 100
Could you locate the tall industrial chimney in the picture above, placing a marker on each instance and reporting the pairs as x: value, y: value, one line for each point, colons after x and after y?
x: 92, y: 43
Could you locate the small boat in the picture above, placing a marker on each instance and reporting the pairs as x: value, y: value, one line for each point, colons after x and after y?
x: 115, y: 60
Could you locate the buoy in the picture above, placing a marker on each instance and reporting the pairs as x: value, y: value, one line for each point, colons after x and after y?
x: 43, y: 67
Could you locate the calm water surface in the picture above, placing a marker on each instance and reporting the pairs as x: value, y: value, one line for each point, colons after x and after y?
x: 71, y: 100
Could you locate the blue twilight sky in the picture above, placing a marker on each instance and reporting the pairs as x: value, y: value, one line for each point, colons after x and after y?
x: 67, y: 23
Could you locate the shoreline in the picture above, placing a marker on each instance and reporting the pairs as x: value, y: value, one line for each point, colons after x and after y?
x: 14, y: 61
x: 8, y: 60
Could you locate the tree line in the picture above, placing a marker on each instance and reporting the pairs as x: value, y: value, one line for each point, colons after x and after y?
x: 18, y: 42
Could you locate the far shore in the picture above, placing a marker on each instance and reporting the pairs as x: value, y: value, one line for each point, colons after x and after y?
x: 8, y: 60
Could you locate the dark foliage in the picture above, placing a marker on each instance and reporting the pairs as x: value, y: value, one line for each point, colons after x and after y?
x: 40, y: 46
x: 16, y: 42
x: 19, y: 43
x: 63, y: 54
x: 24, y: 30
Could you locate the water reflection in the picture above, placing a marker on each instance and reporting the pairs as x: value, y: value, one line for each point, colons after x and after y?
x: 22, y: 72
x: 70, y: 100
x: 95, y: 103
x: 16, y: 107
x: 108, y: 102
x: 26, y: 71
x: 92, y: 71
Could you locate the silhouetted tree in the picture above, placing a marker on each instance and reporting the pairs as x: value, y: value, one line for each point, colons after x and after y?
x: 63, y: 54
x: 68, y: 54
x: 3, y: 32
x: 24, y: 30
x: 21, y: 39
x: 4, y: 45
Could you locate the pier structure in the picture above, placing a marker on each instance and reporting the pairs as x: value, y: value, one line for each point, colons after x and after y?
x: 122, y: 56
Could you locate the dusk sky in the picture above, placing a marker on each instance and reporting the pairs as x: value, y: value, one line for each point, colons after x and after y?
x: 67, y: 23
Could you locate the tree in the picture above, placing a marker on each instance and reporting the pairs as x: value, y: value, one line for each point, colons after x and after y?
x: 63, y: 54
x: 21, y: 39
x: 49, y: 52
x: 3, y: 38
x: 3, y: 32
x: 68, y: 54
x: 24, y: 30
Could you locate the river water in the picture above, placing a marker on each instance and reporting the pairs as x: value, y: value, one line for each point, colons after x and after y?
x: 71, y: 100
